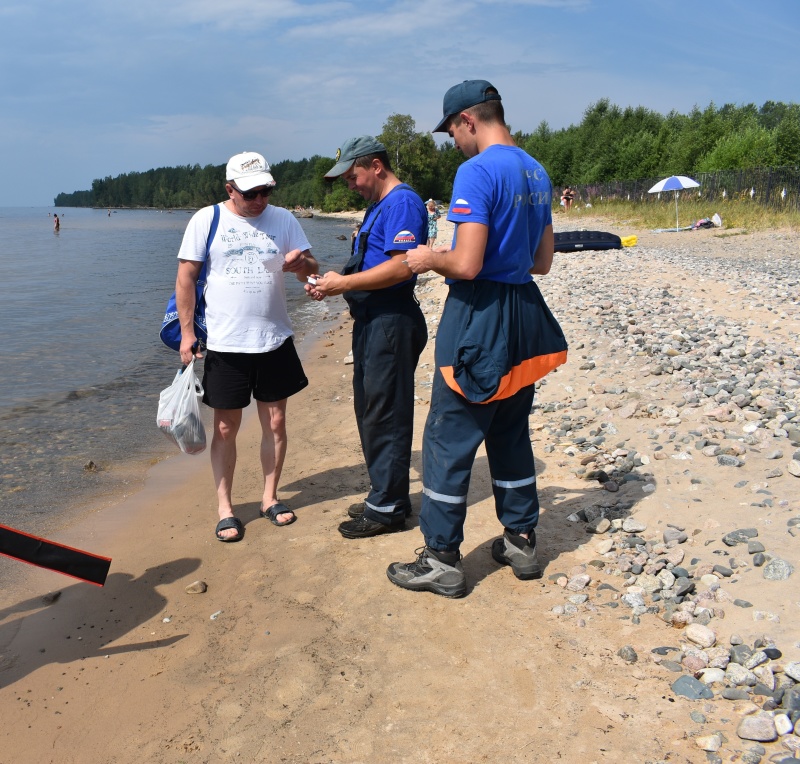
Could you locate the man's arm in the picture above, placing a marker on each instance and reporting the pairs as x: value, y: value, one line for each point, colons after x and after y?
x: 302, y: 264
x: 463, y: 262
x: 386, y: 274
x: 543, y: 258
x: 185, y: 287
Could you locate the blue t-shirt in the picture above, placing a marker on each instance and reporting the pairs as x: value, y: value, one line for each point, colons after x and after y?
x: 507, y: 190
x: 401, y: 224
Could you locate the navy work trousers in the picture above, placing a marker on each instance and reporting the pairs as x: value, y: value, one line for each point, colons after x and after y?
x: 453, y: 431
x: 387, y: 342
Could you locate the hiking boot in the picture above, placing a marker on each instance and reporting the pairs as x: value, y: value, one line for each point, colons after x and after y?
x: 357, y: 510
x: 432, y: 571
x: 519, y: 553
x: 362, y: 528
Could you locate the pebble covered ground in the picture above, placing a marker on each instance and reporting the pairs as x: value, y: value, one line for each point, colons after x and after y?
x: 678, y: 408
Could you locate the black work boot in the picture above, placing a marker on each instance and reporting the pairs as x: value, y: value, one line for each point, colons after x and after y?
x: 357, y: 510
x: 362, y: 527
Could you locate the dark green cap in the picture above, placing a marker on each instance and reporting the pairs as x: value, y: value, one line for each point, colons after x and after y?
x: 352, y: 150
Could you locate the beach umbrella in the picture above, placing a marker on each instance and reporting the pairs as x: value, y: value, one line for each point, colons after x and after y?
x: 674, y: 183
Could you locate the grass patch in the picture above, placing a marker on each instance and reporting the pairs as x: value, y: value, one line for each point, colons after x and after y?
x: 660, y: 213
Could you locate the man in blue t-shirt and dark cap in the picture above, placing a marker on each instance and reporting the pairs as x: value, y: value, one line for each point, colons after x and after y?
x: 496, y: 338
x: 389, y: 330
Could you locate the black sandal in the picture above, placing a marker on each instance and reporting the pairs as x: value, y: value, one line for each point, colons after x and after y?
x: 272, y: 513
x: 225, y: 524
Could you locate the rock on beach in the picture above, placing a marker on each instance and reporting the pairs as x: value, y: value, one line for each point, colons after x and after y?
x: 684, y: 393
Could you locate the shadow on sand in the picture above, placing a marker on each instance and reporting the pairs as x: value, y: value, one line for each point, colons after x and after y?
x: 556, y: 534
x: 85, y: 621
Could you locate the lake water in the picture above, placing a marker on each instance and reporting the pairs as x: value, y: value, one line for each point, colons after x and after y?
x: 82, y: 363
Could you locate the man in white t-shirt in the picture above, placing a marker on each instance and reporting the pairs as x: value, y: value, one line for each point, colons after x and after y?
x: 250, y: 347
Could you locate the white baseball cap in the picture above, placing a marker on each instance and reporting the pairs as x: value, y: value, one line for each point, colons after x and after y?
x: 248, y: 170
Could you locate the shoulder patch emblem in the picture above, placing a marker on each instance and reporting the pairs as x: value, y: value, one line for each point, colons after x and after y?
x: 461, y: 207
x: 405, y: 237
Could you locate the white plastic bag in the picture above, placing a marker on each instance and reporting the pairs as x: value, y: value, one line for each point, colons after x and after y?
x: 179, y: 412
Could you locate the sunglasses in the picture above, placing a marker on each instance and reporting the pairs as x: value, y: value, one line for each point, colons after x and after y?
x: 250, y: 196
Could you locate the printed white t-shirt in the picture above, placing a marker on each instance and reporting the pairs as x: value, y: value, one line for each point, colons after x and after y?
x: 245, y: 292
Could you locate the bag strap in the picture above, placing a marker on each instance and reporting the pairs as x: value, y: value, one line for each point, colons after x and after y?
x: 212, y: 232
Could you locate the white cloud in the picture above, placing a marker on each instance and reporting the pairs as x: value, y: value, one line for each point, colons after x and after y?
x: 246, y: 16
x: 120, y: 87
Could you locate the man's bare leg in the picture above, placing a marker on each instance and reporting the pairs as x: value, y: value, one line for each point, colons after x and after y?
x: 272, y: 416
x: 223, y: 460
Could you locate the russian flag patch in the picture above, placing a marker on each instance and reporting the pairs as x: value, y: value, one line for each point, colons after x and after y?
x: 405, y: 237
x: 461, y: 207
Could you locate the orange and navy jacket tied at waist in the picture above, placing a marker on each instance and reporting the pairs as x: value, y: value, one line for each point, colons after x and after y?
x: 494, y: 339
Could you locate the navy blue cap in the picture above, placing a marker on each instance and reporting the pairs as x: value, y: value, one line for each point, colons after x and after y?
x: 459, y: 97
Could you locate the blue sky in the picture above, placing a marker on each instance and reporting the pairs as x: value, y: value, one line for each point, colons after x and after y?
x: 94, y: 89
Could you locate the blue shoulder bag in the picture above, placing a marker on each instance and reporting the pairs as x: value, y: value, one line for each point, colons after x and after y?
x: 171, y: 326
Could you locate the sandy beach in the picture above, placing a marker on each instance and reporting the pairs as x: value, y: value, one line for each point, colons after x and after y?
x: 670, y: 427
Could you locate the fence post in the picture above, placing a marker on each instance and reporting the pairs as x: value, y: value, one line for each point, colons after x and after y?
x: 769, y: 184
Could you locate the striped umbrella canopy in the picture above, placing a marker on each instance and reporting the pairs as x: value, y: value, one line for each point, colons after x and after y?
x: 674, y: 183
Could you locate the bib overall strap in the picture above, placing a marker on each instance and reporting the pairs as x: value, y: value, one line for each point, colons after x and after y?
x: 359, y: 246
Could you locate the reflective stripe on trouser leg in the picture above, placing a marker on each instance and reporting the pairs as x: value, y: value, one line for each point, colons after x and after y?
x: 510, y: 455
x: 387, y: 510
x: 385, y: 352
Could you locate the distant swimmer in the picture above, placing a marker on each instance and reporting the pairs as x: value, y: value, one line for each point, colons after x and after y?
x: 56, y: 223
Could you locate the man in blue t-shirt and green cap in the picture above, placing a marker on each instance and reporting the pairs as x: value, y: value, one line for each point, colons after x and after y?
x: 389, y: 330
x: 496, y: 338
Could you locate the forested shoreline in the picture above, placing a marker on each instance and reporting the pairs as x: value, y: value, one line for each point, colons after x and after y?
x: 610, y: 143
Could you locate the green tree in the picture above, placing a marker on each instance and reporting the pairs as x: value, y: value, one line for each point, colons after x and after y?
x: 340, y: 198
x: 413, y: 155
x: 787, y: 139
x: 638, y: 157
x: 448, y: 160
x: 609, y: 144
x: 398, y: 136
x: 752, y: 147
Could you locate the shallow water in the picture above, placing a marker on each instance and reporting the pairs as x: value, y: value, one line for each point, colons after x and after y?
x: 82, y: 364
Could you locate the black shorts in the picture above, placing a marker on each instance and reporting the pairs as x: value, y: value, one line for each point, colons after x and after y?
x: 230, y: 379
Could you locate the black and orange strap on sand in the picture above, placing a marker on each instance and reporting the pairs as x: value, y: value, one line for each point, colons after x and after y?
x: 53, y: 556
